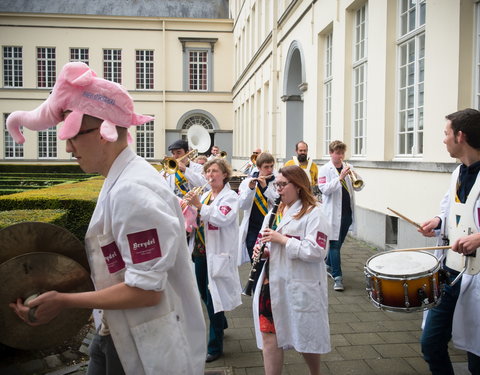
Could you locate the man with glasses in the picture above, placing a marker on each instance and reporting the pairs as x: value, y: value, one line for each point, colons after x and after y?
x: 135, y: 242
x: 251, y: 166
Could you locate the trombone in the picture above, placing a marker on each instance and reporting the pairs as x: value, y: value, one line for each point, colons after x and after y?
x: 357, y: 182
x: 253, y: 160
x: 169, y: 165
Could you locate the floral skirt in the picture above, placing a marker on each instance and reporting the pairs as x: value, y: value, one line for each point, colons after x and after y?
x: 265, y: 306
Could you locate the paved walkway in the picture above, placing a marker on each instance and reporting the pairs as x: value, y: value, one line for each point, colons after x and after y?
x: 365, y: 340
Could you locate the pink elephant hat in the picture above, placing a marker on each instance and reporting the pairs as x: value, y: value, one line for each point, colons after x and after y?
x: 79, y: 90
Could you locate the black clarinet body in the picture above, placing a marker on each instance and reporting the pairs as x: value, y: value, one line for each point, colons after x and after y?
x: 257, y: 264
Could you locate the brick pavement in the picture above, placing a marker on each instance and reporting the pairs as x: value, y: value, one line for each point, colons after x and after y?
x: 365, y: 340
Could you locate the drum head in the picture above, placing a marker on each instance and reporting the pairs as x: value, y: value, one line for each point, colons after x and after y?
x: 401, y: 263
x: 35, y: 273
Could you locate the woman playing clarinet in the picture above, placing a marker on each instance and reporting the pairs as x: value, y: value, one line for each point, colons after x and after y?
x: 290, y: 304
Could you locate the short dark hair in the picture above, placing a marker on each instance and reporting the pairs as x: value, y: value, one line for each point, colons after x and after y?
x: 296, y: 145
x: 468, y: 122
x: 264, y: 157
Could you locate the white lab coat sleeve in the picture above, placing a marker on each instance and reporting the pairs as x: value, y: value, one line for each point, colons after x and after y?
x: 146, y: 267
x: 194, y: 175
x: 328, y: 183
x: 312, y: 247
x: 245, y: 195
x: 222, y: 214
x: 271, y: 194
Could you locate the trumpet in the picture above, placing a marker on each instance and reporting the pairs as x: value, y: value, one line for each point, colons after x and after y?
x: 198, y: 190
x: 223, y: 154
x: 253, y: 160
x: 356, y: 181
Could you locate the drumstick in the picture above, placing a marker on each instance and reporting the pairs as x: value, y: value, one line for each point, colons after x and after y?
x: 405, y: 218
x: 425, y: 248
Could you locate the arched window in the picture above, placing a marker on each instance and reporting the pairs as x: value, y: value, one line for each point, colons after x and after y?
x: 197, y: 120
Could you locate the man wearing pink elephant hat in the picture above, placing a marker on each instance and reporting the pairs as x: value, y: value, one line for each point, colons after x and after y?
x: 150, y: 319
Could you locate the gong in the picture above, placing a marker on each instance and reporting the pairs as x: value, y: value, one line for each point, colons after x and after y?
x: 32, y: 237
x: 36, y: 273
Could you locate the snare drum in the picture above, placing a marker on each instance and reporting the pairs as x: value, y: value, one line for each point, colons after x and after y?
x: 403, y: 281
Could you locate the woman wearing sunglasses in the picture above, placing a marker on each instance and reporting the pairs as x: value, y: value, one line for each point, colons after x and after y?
x: 290, y: 304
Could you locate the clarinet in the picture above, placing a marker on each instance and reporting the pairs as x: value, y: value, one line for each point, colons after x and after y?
x: 257, y: 265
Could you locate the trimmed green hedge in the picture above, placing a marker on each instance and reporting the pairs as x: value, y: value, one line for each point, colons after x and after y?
x: 40, y: 168
x: 57, y: 217
x: 78, y: 199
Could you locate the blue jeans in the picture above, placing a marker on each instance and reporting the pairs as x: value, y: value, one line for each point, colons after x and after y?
x: 333, y: 255
x: 103, y: 357
x: 218, y: 322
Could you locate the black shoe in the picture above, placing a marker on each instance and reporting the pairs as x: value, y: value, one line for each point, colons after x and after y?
x: 212, y: 357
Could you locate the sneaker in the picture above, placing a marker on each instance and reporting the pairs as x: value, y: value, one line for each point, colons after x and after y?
x: 338, y: 286
x: 329, y: 272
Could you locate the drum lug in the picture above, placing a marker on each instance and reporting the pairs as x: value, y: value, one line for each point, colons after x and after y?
x: 422, y: 295
x: 405, y: 293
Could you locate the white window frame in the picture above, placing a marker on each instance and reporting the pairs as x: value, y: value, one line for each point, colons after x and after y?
x: 145, y: 140
x: 144, y: 59
x: 80, y: 54
x: 46, y: 67
x: 410, y: 78
x: 112, y: 65
x: 192, y: 76
x: 327, y: 92
x: 47, y: 143
x: 12, y: 66
x: 12, y: 150
x: 477, y: 56
x: 359, y: 81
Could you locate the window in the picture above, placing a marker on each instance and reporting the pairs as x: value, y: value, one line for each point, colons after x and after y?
x: 47, y: 143
x: 411, y: 72
x: 112, y: 65
x: 12, y: 149
x: 144, y: 69
x: 198, y: 63
x: 145, y: 140
x: 360, y: 82
x: 79, y: 54
x: 12, y: 66
x: 327, y: 92
x: 46, y: 67
x: 477, y: 58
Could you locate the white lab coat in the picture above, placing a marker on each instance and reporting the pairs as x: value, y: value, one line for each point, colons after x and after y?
x: 466, y: 326
x: 221, y: 237
x: 298, y: 283
x: 246, y: 201
x: 331, y: 189
x: 194, y: 175
x: 136, y: 236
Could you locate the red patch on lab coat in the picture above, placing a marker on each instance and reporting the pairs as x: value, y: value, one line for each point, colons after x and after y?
x: 321, y: 239
x: 113, y: 258
x: 225, y: 210
x: 212, y: 227
x: 144, y: 246
x: 322, y: 180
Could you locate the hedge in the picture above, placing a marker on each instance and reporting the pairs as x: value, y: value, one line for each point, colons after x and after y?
x: 78, y: 199
x: 57, y: 217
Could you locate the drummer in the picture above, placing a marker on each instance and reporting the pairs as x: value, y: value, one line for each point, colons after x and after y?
x: 135, y: 241
x: 457, y: 313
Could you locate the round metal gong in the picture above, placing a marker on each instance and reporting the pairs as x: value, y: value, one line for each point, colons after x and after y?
x: 32, y: 237
x: 36, y: 273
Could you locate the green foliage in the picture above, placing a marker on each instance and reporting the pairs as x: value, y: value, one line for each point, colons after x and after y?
x: 57, y: 217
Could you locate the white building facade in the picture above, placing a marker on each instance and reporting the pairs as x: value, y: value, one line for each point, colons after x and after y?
x: 380, y: 75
